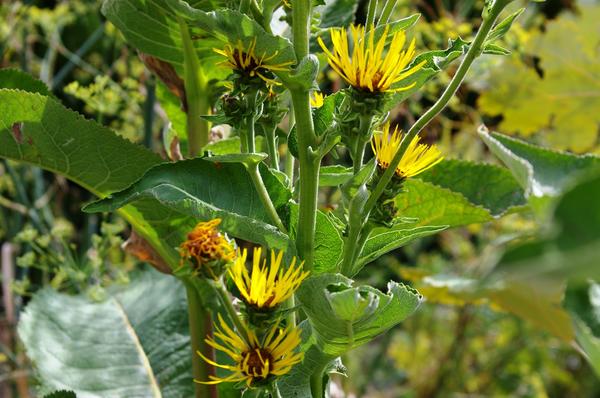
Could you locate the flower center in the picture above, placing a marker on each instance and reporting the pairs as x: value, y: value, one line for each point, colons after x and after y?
x: 258, y: 363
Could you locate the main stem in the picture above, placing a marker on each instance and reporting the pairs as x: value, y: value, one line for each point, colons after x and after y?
x: 473, y: 52
x: 198, y: 129
x: 200, y: 327
x: 308, y: 159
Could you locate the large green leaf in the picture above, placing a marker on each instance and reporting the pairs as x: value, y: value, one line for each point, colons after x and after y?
x: 202, y: 189
x: 540, y: 171
x: 485, y: 185
x: 430, y: 204
x: 134, y: 344
x: 558, y: 96
x: 38, y: 130
x: 344, y: 317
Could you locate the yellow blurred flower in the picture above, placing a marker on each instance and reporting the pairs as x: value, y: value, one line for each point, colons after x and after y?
x: 417, y: 158
x: 255, y: 360
x: 316, y: 99
x: 367, y: 68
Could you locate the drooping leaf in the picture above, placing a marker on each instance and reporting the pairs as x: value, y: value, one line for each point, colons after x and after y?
x: 331, y: 176
x: 38, y: 130
x: 540, y: 171
x: 589, y: 343
x: 326, y: 298
x: 136, y: 343
x: 561, y: 101
x: 202, y: 189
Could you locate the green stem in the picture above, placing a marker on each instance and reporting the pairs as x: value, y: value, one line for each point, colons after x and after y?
x: 357, y: 236
x: 316, y: 383
x: 264, y: 195
x: 307, y: 140
x: 474, y: 51
x: 198, y: 129
x: 271, y: 134
x: 233, y: 315
x: 388, y: 8
x: 371, y: 14
x: 363, y: 136
x: 200, y: 327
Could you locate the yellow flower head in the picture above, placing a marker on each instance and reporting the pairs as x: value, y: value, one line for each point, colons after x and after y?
x: 247, y: 62
x: 255, y: 360
x: 266, y: 286
x: 368, y: 68
x: 206, y: 246
x: 417, y: 158
x: 316, y: 99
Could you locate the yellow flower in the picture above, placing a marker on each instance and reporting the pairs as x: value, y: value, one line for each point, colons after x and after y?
x: 206, y: 246
x: 265, y: 287
x: 255, y: 360
x: 417, y: 158
x: 368, y: 69
x: 316, y: 99
x: 247, y: 62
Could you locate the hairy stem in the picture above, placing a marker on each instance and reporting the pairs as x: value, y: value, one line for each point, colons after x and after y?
x: 309, y: 162
x: 264, y: 196
x: 474, y: 51
x: 198, y: 129
x: 200, y: 327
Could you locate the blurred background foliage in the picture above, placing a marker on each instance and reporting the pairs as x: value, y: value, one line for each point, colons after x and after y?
x: 547, y: 91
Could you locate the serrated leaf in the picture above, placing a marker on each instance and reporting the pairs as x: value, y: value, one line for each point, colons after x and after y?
x: 39, y: 130
x: 136, y: 343
x: 558, y: 98
x: 201, y: 189
x: 485, y: 185
x: 430, y: 204
x: 336, y: 336
x: 540, y: 171
x: 16, y: 79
